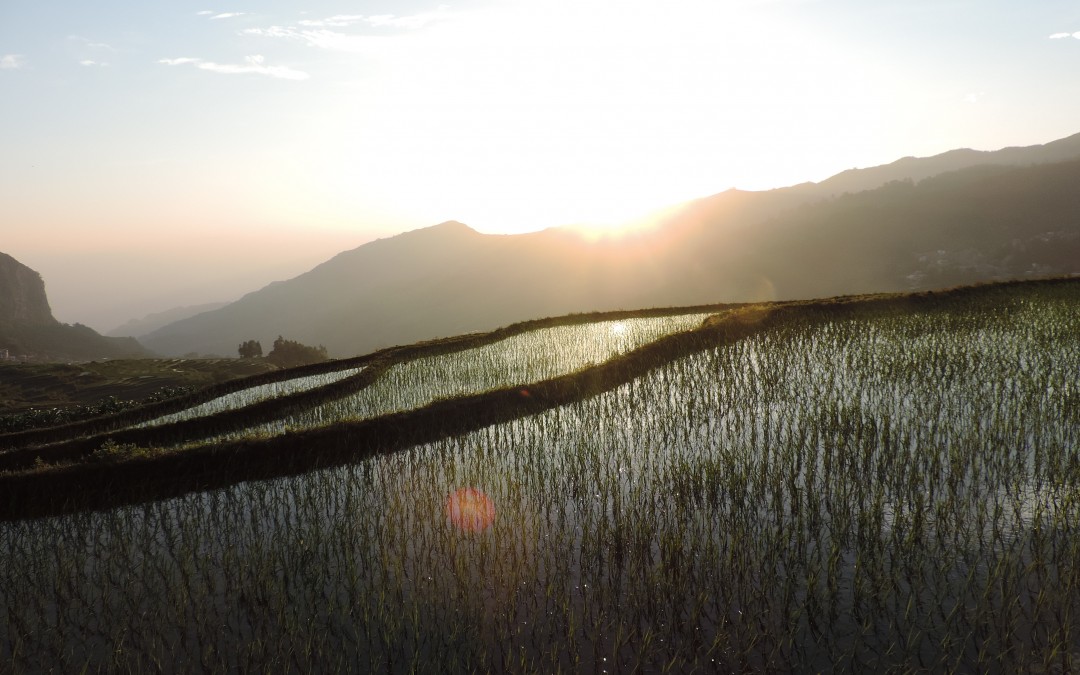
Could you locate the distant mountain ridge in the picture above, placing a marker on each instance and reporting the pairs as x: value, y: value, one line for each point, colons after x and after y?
x: 28, y: 329
x: 918, y: 168
x: 980, y: 217
x: 151, y: 322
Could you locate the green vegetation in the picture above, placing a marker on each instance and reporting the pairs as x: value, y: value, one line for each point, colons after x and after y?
x: 289, y: 353
x: 111, y: 451
x: 26, y: 386
x: 887, y: 484
x: 37, y: 418
x: 250, y: 349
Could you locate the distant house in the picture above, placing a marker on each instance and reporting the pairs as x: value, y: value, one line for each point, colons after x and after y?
x: 4, y: 355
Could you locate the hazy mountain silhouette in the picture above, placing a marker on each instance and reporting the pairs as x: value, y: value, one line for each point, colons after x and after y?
x: 29, y: 330
x: 151, y: 322
x: 984, y: 222
x: 918, y: 168
x: 758, y: 205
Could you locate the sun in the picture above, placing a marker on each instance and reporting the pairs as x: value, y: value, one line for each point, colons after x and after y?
x: 536, y: 115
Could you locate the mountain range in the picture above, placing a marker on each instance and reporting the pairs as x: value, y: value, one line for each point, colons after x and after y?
x: 960, y: 217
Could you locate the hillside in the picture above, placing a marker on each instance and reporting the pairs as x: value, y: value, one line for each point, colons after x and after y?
x: 984, y: 223
x: 28, y: 330
x: 918, y: 168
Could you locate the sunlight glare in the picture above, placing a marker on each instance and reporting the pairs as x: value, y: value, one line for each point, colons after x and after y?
x: 470, y: 510
x: 530, y: 116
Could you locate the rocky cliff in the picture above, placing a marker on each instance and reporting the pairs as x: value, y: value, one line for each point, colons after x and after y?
x: 22, y: 296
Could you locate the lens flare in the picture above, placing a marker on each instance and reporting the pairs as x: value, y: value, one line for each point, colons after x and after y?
x: 470, y: 510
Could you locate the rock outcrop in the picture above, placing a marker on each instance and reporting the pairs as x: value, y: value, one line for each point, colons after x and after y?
x: 23, y: 302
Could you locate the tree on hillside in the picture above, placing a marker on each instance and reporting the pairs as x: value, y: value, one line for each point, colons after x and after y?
x: 289, y: 353
x: 250, y: 349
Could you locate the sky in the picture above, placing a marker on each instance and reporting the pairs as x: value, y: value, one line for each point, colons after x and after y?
x: 178, y: 152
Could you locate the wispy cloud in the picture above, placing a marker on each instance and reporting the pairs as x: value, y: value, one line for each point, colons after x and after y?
x: 179, y: 62
x: 339, y: 21
x: 87, y: 42
x: 205, y: 12
x: 321, y: 38
x: 89, y: 53
x: 327, y: 34
x: 255, y: 64
x: 227, y: 15
x: 12, y: 61
x: 273, y: 31
x: 411, y: 21
x: 1058, y: 36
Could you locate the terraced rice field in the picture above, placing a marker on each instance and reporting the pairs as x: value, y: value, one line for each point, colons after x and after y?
x: 517, y: 360
x: 886, y: 490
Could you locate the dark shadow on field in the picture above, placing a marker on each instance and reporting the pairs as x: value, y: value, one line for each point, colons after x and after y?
x: 89, y: 483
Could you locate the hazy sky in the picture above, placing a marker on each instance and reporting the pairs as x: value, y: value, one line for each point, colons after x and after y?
x: 154, y: 154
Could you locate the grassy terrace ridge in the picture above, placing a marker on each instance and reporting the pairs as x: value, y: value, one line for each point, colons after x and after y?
x: 128, y: 473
